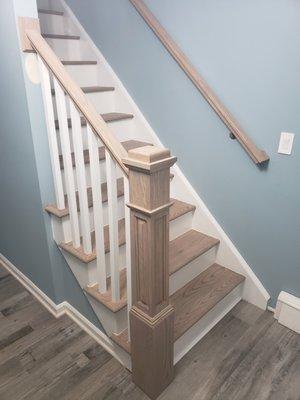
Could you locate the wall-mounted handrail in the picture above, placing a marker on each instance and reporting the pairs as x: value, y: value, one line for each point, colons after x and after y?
x: 258, y: 156
x: 95, y: 120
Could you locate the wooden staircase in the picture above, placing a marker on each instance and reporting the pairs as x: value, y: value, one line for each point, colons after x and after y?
x: 174, y: 285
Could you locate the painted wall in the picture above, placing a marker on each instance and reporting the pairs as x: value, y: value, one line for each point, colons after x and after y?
x: 248, y: 51
x: 25, y: 172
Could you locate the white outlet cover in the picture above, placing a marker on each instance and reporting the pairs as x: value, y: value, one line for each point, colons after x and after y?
x: 286, y: 143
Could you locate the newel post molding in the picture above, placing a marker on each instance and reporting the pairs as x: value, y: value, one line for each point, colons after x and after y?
x: 151, y: 316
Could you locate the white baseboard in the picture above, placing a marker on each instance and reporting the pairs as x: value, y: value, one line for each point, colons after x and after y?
x: 65, y: 308
x: 288, y: 311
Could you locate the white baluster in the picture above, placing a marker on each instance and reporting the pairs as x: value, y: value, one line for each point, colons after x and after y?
x: 128, y: 248
x: 113, y: 225
x: 52, y: 138
x: 81, y: 178
x: 93, y: 144
x: 68, y: 168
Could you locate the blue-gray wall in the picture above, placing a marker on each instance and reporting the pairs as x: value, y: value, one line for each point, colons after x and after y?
x: 248, y: 51
x: 25, y: 173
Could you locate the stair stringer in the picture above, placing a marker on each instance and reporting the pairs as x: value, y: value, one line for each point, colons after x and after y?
x: 228, y: 255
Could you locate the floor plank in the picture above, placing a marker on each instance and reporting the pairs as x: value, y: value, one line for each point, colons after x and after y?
x: 247, y: 356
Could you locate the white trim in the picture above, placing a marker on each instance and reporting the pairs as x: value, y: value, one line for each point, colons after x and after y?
x: 229, y: 256
x: 272, y: 309
x: 288, y: 311
x: 65, y: 308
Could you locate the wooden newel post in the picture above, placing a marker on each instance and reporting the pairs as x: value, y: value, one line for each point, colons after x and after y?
x: 151, y: 316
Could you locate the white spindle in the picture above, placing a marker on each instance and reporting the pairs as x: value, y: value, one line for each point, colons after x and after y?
x: 113, y: 225
x: 93, y: 144
x: 52, y: 138
x: 128, y: 248
x: 81, y: 178
x: 68, y: 168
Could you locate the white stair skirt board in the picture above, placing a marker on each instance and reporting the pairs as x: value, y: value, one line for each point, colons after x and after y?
x: 228, y: 255
x: 288, y: 311
x: 205, y: 324
x: 65, y: 308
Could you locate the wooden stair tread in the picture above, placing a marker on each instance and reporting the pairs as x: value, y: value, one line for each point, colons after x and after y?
x: 108, y: 117
x: 93, y: 89
x: 122, y: 340
x: 128, y: 145
x: 188, y: 247
x: 52, y: 12
x: 105, y: 298
x: 195, y: 300
x: 86, y: 258
x: 79, y: 62
x: 199, y: 296
x: 58, y: 36
x: 52, y: 209
x: 178, y: 209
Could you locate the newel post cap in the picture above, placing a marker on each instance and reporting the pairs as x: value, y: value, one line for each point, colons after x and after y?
x: 149, y: 158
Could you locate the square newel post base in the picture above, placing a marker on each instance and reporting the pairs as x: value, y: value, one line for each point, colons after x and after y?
x: 152, y: 316
x: 152, y: 350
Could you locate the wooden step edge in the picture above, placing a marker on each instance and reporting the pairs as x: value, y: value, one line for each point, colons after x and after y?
x: 92, y: 89
x: 179, y: 208
x: 121, y: 338
x: 188, y: 247
x: 64, y: 212
x: 60, y: 213
x: 199, y: 296
x: 108, y: 118
x: 105, y: 298
x: 127, y: 144
x: 79, y: 62
x: 86, y: 258
x: 57, y: 36
x: 51, y: 12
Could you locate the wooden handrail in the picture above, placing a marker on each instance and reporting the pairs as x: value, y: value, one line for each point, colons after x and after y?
x: 81, y: 101
x: 257, y: 155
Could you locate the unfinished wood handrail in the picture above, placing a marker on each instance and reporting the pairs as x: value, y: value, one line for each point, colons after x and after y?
x: 81, y: 101
x: 257, y: 155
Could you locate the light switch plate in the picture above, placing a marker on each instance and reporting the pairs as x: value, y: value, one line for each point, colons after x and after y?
x: 286, y: 143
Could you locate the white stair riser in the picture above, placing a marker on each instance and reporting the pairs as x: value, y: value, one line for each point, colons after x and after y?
x: 86, y: 273
x: 180, y: 225
x: 57, y: 24
x: 121, y: 129
x: 70, y: 49
x: 88, y: 175
x: 112, y: 322
x: 191, y: 270
x: 88, y: 75
x: 205, y: 324
x: 102, y: 101
x: 62, y: 227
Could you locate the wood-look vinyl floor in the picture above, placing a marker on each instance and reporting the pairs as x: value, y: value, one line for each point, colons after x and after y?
x: 247, y: 356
